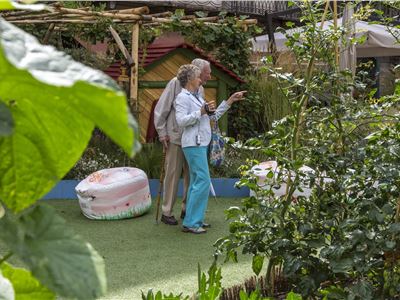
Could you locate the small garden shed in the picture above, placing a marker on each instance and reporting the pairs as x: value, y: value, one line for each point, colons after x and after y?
x: 160, y: 62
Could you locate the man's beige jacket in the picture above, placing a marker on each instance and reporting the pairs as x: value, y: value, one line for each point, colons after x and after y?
x: 164, y: 112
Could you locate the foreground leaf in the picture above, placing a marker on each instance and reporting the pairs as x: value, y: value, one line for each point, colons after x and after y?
x: 26, y: 286
x: 58, y: 257
x: 55, y: 103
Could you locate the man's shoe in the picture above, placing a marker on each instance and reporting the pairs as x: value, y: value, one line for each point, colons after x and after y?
x: 183, y: 214
x: 206, y: 225
x: 194, y: 230
x: 169, y: 220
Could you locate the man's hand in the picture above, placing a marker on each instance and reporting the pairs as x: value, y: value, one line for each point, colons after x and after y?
x: 164, y: 141
x: 238, y: 96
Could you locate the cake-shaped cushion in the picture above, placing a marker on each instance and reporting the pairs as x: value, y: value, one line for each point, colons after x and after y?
x: 116, y: 193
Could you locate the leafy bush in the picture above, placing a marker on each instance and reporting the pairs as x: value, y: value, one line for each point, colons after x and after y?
x: 342, y: 241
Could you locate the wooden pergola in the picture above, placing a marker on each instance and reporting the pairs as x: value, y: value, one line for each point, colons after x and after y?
x: 56, y: 15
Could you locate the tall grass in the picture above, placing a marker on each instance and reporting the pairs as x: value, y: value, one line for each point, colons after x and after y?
x: 272, y: 102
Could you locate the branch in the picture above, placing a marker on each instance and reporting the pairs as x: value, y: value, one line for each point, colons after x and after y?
x: 48, y: 33
x: 5, y: 257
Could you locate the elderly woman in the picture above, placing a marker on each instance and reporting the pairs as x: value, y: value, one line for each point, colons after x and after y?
x: 193, y: 115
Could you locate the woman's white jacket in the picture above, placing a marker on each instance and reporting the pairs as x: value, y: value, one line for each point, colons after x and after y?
x: 188, y: 116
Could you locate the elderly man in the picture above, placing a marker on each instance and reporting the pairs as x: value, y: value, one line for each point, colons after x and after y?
x: 170, y: 136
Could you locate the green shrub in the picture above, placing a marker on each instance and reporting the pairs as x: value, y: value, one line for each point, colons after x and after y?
x: 342, y: 241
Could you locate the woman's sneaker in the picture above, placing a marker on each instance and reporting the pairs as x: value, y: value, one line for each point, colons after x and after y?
x: 195, y: 230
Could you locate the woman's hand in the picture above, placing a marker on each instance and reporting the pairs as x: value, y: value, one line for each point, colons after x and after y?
x: 208, y: 108
x: 238, y: 96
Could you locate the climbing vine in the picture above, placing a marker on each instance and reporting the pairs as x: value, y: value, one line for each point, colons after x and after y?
x: 227, y: 41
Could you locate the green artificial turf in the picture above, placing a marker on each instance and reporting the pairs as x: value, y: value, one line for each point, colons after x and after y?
x: 141, y: 255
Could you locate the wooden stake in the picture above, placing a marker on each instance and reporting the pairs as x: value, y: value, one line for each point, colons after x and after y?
x: 134, y: 70
x: 325, y: 12
x: 335, y: 28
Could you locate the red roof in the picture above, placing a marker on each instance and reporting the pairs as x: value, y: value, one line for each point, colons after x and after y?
x: 161, y: 47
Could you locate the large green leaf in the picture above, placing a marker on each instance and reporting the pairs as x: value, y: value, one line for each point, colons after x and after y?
x: 26, y: 286
x: 55, y: 103
x: 59, y: 258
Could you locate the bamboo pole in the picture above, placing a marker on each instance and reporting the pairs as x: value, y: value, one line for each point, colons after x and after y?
x: 101, y: 14
x: 31, y: 16
x: 66, y: 21
x: 324, y: 14
x: 134, y: 70
x: 62, y: 15
x: 161, y: 15
x: 335, y: 28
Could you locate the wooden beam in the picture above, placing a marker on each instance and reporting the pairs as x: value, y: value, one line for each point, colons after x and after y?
x: 32, y: 16
x: 134, y: 102
x: 103, y: 14
x: 121, y: 46
x: 62, y: 21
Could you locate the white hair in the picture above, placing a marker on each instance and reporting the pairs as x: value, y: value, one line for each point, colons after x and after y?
x: 200, y: 63
x: 186, y: 73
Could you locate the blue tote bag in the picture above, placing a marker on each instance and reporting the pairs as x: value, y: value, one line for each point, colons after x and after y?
x: 216, y: 147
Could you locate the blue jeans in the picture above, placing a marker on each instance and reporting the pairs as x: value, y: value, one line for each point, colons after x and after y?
x: 199, y: 186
